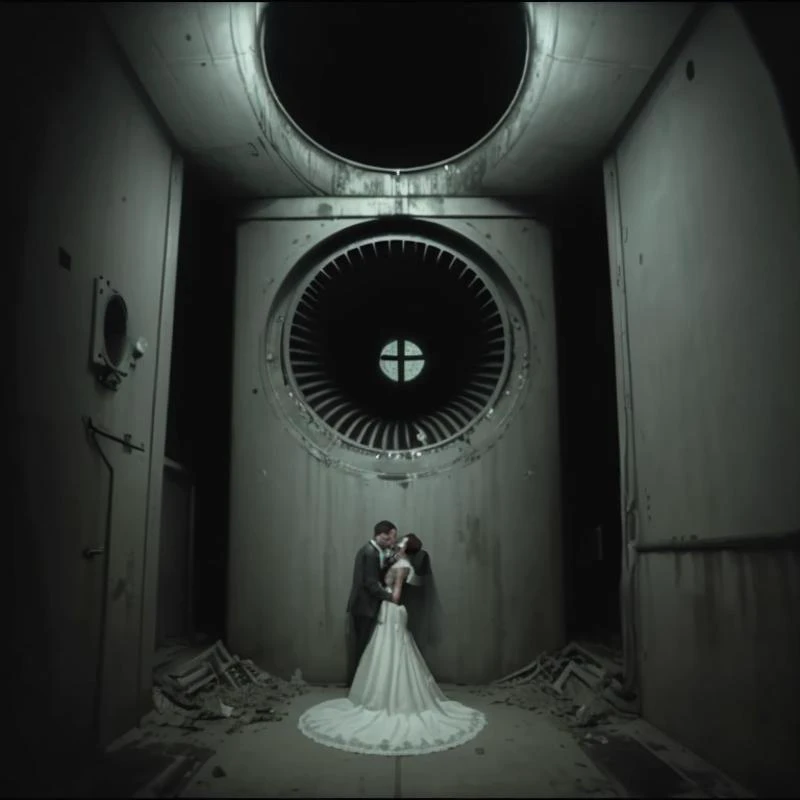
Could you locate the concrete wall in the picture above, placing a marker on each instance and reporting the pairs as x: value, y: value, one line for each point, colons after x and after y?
x: 492, y: 527
x: 91, y: 173
x: 704, y: 231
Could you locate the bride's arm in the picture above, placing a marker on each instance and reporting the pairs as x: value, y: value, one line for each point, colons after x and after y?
x: 401, y: 573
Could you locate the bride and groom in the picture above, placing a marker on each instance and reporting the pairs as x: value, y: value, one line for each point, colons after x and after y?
x: 394, y: 707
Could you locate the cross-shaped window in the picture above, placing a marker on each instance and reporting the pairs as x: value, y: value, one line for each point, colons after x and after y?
x: 401, y: 360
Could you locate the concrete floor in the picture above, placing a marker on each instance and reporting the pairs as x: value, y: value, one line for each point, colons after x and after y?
x: 520, y: 753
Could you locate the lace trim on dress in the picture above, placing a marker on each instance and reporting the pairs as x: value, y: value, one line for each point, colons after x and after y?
x: 477, y: 721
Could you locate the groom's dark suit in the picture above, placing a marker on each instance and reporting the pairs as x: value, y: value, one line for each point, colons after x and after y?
x: 365, y: 598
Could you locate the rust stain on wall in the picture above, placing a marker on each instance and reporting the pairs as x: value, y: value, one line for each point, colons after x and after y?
x: 741, y: 585
x: 475, y: 549
x: 677, y: 566
x: 119, y: 589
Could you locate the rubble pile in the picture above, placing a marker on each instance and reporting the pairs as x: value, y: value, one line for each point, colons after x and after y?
x: 579, y: 687
x: 215, y: 685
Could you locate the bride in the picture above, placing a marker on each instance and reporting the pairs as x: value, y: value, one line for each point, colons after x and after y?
x: 394, y: 707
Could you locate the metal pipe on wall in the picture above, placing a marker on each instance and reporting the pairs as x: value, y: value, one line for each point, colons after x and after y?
x: 628, y: 483
x: 102, y: 551
x: 789, y: 540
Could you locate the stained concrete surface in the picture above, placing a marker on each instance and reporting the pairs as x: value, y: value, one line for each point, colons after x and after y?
x: 519, y: 754
x: 152, y: 769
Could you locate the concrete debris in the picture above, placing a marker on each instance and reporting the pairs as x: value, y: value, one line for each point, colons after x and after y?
x: 581, y: 687
x: 215, y: 685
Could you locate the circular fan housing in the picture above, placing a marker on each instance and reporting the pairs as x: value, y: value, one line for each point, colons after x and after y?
x: 396, y: 343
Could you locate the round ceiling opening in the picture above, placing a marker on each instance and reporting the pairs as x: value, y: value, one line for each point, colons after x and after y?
x: 395, y: 85
x: 397, y: 344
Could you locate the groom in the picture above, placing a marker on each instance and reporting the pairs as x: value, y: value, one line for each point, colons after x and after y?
x: 368, y: 590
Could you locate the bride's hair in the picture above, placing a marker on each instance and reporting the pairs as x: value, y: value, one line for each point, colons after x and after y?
x: 413, y: 544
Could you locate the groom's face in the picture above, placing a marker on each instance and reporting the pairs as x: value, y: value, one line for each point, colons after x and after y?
x: 385, y: 540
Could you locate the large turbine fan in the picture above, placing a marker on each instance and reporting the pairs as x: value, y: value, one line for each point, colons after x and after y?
x: 408, y: 301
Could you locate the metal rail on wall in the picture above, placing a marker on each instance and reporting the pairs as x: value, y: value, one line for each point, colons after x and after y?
x: 125, y: 440
x: 91, y: 553
x: 789, y: 540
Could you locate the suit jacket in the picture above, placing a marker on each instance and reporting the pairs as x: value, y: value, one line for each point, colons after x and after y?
x: 368, y: 590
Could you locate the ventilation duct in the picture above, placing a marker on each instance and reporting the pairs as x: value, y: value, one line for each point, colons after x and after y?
x: 397, y: 343
x: 396, y: 85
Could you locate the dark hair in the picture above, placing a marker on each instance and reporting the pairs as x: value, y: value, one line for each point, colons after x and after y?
x: 413, y: 543
x: 384, y: 526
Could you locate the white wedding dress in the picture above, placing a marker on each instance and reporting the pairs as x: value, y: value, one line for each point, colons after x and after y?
x: 394, y: 707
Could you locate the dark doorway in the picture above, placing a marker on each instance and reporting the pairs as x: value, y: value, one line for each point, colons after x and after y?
x: 198, y: 419
x: 773, y: 27
x: 590, y: 452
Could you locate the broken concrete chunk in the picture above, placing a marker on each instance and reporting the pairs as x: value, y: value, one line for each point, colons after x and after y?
x: 618, y: 702
x: 214, y: 685
x: 592, y: 713
x: 571, y: 684
x: 224, y: 709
